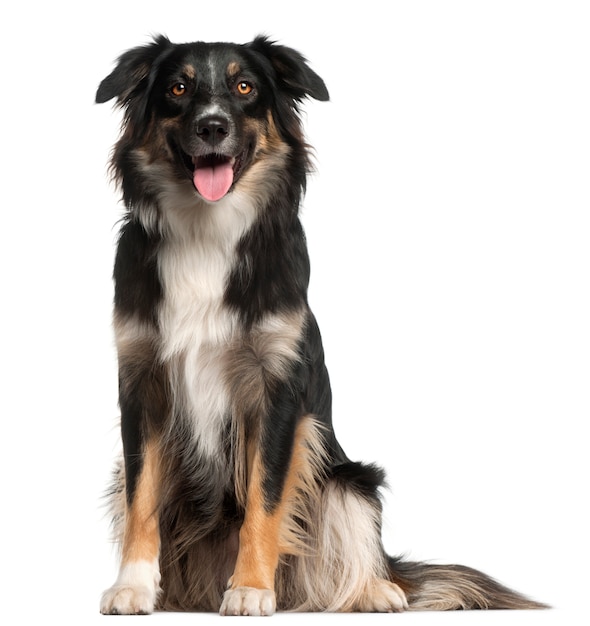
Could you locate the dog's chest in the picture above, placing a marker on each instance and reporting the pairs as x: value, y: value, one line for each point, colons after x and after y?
x: 196, y: 332
x: 192, y: 312
x: 194, y: 264
x: 202, y: 339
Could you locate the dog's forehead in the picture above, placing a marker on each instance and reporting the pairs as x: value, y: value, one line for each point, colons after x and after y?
x: 213, y: 63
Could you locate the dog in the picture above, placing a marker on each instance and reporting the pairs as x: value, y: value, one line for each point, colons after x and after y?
x: 233, y: 493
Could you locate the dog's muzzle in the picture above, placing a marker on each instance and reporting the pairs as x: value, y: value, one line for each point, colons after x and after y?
x: 214, y: 157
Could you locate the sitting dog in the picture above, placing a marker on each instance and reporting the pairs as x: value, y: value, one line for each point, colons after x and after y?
x: 234, y: 493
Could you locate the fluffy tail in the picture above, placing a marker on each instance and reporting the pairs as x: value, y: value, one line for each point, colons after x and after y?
x: 449, y: 587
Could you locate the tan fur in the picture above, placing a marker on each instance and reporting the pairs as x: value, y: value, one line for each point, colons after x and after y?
x: 302, y: 488
x: 265, y: 535
x: 271, y: 157
x: 137, y: 586
x: 233, y: 69
x: 189, y: 71
x: 141, y: 538
x: 258, y: 555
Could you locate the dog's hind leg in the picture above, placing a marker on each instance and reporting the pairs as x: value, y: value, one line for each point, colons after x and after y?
x: 348, y: 568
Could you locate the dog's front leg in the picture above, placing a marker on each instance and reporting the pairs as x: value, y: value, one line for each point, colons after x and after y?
x: 251, y: 588
x: 137, y: 585
x: 273, y: 459
x: 141, y: 397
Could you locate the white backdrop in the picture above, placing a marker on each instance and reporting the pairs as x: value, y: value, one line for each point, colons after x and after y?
x: 448, y: 227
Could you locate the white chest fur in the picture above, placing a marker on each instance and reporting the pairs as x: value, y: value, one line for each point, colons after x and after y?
x: 196, y: 328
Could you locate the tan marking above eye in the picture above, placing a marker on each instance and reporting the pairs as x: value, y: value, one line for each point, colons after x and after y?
x: 188, y: 71
x: 178, y: 89
x: 244, y: 88
x: 233, y: 69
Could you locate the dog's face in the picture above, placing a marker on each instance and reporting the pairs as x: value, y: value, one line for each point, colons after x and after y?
x: 211, y: 112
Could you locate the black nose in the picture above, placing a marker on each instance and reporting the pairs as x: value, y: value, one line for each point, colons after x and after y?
x: 213, y: 129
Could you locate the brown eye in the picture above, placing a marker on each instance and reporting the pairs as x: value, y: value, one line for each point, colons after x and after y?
x: 244, y: 88
x: 178, y: 89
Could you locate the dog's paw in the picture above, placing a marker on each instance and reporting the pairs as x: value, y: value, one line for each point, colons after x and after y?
x: 248, y: 601
x: 384, y: 597
x: 134, y: 592
x: 121, y: 600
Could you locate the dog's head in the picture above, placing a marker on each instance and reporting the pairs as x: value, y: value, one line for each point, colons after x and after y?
x: 210, y: 113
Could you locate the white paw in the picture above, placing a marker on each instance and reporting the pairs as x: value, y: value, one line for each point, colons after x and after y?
x: 384, y: 597
x: 134, y: 592
x: 248, y: 601
x: 120, y: 600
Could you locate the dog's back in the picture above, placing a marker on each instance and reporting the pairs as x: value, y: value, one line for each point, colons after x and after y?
x: 231, y: 467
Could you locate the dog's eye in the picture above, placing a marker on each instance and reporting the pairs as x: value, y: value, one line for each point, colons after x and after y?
x: 244, y: 88
x: 178, y: 89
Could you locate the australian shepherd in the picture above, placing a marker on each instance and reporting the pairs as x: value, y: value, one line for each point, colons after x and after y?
x: 233, y: 494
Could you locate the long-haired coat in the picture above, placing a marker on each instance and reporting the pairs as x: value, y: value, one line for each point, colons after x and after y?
x: 234, y: 494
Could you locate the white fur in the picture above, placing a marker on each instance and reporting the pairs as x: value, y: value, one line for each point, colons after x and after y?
x: 347, y: 571
x: 212, y: 65
x: 212, y: 109
x: 135, y: 590
x: 194, y: 263
x: 248, y: 601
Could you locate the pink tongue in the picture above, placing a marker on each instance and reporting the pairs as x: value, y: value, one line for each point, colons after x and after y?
x: 214, y: 181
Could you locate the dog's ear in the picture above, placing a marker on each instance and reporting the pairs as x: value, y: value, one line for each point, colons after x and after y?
x: 131, y: 75
x: 295, y: 76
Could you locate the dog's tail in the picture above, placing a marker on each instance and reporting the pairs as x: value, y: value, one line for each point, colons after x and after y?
x: 432, y: 587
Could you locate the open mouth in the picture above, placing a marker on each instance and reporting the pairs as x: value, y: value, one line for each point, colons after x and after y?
x: 214, y: 174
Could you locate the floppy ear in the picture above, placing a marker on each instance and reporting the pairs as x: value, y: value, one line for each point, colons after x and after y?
x: 295, y: 76
x: 131, y: 75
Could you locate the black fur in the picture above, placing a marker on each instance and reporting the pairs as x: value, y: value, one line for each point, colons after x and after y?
x: 137, y: 285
